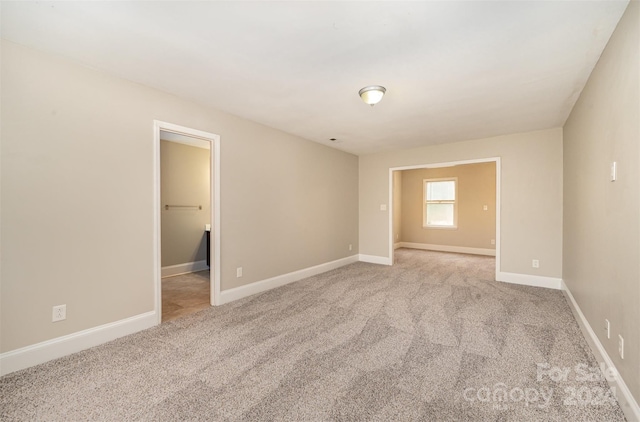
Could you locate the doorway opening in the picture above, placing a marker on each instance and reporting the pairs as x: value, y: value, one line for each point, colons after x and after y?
x: 186, y: 220
x: 480, y: 208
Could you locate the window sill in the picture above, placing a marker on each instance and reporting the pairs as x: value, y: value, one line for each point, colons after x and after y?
x: 441, y: 227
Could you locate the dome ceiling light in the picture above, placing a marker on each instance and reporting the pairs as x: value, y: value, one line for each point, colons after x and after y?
x: 372, y: 94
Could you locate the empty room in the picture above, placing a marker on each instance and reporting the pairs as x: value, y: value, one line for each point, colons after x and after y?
x: 320, y: 211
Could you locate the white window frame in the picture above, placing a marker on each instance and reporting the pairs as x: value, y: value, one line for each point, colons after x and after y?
x: 454, y: 202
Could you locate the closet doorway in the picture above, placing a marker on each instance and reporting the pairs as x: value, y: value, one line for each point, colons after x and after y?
x: 186, y: 211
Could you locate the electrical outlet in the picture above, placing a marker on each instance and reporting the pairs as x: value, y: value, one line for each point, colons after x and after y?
x: 485, y: 208
x: 239, y: 272
x: 59, y: 313
x: 621, y: 346
x: 535, y: 263
x: 493, y: 241
x: 350, y: 246
x: 607, y: 327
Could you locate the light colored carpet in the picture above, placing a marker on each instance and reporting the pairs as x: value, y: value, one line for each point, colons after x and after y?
x: 429, y: 339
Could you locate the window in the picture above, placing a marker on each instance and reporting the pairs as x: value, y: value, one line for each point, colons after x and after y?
x: 440, y: 210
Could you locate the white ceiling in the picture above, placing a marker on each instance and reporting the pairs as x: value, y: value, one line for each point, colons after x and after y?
x: 453, y: 70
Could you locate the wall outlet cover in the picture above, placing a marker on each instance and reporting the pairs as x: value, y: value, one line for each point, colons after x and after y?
x: 621, y: 346
x: 59, y: 313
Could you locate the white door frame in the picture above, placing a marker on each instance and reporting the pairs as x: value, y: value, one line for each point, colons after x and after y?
x: 449, y: 164
x: 214, y: 152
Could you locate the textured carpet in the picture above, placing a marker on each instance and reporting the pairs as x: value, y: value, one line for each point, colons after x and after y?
x: 429, y: 339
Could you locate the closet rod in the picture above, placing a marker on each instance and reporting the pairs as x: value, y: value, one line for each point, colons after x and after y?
x: 167, y: 207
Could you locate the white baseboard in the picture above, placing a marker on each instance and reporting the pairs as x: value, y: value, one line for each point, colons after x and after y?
x: 530, y: 280
x: 626, y: 400
x: 187, y: 267
x: 35, y: 354
x: 236, y: 293
x: 374, y: 259
x: 445, y: 248
x: 397, y: 245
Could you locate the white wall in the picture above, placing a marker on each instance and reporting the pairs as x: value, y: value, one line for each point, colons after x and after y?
x: 531, y: 196
x: 602, y: 218
x: 77, y: 196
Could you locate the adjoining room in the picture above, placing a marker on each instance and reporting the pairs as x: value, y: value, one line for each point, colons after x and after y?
x: 446, y: 208
x: 185, y: 195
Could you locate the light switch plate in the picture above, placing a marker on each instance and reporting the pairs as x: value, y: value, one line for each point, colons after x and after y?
x: 614, y: 171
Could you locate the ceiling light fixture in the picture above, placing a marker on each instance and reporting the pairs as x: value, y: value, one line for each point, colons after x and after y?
x: 372, y: 94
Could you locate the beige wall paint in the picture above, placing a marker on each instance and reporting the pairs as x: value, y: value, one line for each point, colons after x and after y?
x: 77, y: 196
x: 185, y: 179
x: 531, y: 195
x: 476, y: 188
x: 602, y: 218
